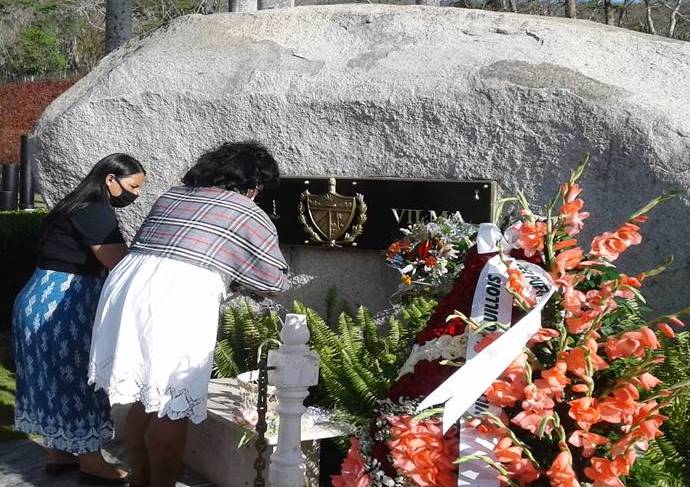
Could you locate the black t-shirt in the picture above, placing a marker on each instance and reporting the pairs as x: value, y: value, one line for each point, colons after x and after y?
x: 65, y: 247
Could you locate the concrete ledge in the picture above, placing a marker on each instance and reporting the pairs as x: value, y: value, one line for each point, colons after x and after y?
x: 212, y: 446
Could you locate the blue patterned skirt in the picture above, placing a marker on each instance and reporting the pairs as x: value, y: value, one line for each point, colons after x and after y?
x: 52, y: 322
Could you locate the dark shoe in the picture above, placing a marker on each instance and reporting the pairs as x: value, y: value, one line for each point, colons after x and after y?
x: 90, y: 479
x: 60, y: 468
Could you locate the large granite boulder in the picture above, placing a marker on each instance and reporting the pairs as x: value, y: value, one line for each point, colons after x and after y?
x: 417, y: 92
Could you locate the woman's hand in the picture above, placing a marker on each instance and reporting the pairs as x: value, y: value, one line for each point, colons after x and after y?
x: 109, y: 254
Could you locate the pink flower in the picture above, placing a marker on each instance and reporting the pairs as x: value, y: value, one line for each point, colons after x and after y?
x: 587, y: 441
x: 531, y: 420
x: 561, y: 473
x: 528, y: 236
x: 569, y: 259
x: 352, y: 472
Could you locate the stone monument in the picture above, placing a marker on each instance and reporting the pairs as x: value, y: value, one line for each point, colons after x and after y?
x: 388, y: 91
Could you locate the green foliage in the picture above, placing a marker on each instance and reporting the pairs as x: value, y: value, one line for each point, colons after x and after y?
x: 7, y: 390
x: 667, y: 462
x: 37, y: 52
x: 360, y: 359
x: 244, y: 330
x: 19, y: 234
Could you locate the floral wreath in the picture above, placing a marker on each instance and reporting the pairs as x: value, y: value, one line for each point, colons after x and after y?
x: 576, y: 407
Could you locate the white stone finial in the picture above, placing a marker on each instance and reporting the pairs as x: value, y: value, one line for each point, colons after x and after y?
x: 294, y: 369
x: 295, y: 331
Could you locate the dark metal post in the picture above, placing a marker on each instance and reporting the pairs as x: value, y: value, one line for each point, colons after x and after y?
x: 10, y: 180
x: 261, y: 426
x: 26, y: 177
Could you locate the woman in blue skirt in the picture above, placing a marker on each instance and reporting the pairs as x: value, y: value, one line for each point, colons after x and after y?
x: 53, y: 317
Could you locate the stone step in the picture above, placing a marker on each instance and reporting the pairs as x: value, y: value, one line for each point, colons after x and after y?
x: 213, y: 446
x: 22, y: 464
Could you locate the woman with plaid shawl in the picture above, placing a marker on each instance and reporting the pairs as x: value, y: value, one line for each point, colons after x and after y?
x: 157, y: 317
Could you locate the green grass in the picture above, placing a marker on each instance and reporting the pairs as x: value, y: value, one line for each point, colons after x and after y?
x: 7, y: 391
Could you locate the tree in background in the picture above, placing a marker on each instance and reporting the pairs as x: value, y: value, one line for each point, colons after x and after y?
x: 118, y: 23
x: 48, y: 37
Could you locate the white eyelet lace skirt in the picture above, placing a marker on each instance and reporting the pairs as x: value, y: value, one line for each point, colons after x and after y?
x: 154, y: 335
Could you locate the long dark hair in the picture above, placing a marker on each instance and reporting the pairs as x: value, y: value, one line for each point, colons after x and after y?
x: 235, y: 166
x: 92, y: 188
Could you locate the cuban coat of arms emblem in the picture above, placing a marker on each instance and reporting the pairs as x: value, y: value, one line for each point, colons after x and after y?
x: 331, y: 219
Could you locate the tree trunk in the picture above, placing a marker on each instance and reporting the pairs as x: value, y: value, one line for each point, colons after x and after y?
x: 243, y: 5
x: 513, y: 5
x: 118, y: 23
x: 608, y: 14
x: 621, y: 13
x: 674, y: 19
x: 571, y: 9
x: 650, y: 20
x: 430, y: 3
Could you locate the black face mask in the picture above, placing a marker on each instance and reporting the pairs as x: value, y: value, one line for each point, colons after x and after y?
x: 125, y: 198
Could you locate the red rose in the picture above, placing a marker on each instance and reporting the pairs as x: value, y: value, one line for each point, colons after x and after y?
x: 423, y: 249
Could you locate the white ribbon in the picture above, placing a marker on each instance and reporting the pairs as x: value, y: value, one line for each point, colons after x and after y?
x: 492, y: 302
x: 460, y: 391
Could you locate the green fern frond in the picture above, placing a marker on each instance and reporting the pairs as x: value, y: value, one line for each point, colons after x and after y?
x: 358, y: 362
x: 667, y: 461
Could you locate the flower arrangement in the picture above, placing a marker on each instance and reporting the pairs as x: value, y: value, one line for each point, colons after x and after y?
x: 577, y: 406
x: 430, y: 252
x: 581, y: 401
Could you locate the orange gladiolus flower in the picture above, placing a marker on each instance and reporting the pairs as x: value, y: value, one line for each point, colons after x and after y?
x: 630, y: 234
x: 352, y: 472
x: 516, y: 282
x: 422, y: 453
x: 577, y: 361
x: 585, y: 412
x: 572, y: 299
x: 632, y: 281
x: 620, y: 406
x: 530, y: 420
x: 537, y: 399
x: 505, y: 394
x: 573, y: 218
x: 604, y: 472
x: 505, y: 452
x: 543, y: 335
x: 529, y: 236
x: 582, y: 321
x: 601, y: 300
x: 632, y: 344
x: 587, y: 441
x: 570, y: 191
x: 519, y: 469
x: 565, y: 244
x: 666, y: 330
x: 554, y: 379
x: 561, y: 473
x: 568, y: 259
x: 648, y: 421
x: 646, y: 381
x: 608, y: 245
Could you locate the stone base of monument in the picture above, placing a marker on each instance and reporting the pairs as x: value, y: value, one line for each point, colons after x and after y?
x: 212, y: 446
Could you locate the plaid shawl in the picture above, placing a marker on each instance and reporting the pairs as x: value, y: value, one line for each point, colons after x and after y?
x: 216, y: 229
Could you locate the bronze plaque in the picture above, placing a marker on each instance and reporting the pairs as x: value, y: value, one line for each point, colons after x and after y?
x: 368, y: 212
